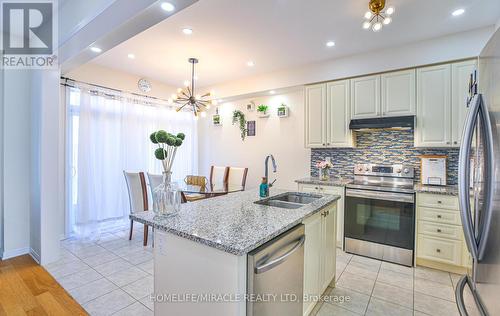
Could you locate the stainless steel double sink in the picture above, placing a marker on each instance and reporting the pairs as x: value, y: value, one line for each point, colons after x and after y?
x: 290, y: 200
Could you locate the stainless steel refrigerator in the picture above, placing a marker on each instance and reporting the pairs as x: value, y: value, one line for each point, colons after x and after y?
x: 479, y: 186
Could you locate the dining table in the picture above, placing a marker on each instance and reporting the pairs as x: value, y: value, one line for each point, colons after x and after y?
x: 209, y: 190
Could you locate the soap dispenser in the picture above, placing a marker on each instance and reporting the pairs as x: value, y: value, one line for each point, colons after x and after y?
x: 264, y: 188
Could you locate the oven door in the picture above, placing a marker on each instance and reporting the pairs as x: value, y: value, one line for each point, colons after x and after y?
x: 386, y: 218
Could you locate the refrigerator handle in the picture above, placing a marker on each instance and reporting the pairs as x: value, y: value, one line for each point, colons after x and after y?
x: 464, y: 178
x: 459, y: 297
x: 488, y: 179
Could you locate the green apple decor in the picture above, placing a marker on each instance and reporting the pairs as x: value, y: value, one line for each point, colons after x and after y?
x: 166, y: 196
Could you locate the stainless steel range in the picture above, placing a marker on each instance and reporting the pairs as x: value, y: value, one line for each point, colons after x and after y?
x: 380, y: 213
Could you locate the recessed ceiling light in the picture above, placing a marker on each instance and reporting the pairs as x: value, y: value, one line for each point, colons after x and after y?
x: 131, y: 56
x: 95, y: 49
x: 330, y: 43
x: 167, y: 6
x: 272, y: 92
x: 458, y: 12
x: 187, y: 31
x: 250, y: 63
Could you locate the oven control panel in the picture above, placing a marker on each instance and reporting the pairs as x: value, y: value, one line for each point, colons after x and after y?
x: 401, y: 171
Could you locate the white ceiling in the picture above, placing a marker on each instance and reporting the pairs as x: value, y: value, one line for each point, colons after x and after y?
x: 278, y: 34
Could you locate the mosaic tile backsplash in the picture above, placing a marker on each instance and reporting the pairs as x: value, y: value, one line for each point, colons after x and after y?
x: 383, y: 147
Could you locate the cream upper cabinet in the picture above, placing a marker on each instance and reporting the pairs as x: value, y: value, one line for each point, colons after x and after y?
x: 398, y: 93
x: 365, y: 97
x: 433, y: 106
x: 339, y: 113
x: 460, y: 73
x: 315, y: 116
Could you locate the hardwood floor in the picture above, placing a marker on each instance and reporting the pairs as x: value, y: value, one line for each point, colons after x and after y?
x: 26, y: 288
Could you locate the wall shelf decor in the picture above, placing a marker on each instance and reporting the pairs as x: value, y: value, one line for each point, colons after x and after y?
x: 263, y: 110
x: 250, y: 106
x: 282, y: 111
x: 216, y: 118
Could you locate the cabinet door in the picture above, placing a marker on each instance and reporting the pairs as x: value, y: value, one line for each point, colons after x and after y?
x: 339, y: 114
x: 315, y: 116
x: 398, y: 93
x: 340, y: 210
x: 459, y: 91
x: 329, y: 247
x: 433, y: 107
x: 365, y: 97
x: 312, y: 259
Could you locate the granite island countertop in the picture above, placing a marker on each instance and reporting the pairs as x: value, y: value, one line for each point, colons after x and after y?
x: 434, y: 189
x: 233, y: 223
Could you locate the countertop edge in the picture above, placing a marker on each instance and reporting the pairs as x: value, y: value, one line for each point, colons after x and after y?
x: 229, y: 249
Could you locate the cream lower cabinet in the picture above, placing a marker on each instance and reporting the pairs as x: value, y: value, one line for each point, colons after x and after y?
x: 335, y: 190
x: 319, y: 255
x: 440, y: 239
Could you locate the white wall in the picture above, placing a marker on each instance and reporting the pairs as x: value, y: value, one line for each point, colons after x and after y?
x: 282, y: 137
x: 451, y: 47
x: 1, y: 158
x: 17, y: 140
x: 112, y: 78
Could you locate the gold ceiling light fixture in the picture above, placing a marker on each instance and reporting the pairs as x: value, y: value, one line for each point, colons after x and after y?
x: 187, y: 97
x: 376, y: 18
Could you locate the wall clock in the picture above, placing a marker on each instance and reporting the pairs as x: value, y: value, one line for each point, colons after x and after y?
x: 144, y: 85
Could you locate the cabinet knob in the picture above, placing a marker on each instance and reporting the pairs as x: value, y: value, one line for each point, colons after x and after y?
x: 439, y: 216
x: 438, y: 250
x: 438, y: 230
x: 455, y: 142
x: 439, y: 202
x: 447, y: 143
x: 316, y: 188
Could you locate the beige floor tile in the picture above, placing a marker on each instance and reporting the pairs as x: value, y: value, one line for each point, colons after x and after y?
x: 141, y: 288
x: 382, y: 308
x: 79, y: 279
x: 434, y: 306
x: 109, y: 304
x: 92, y: 290
x: 360, y: 269
x: 146, y: 301
x: 393, y: 294
x: 435, y: 289
x: 147, y: 266
x: 100, y: 259
x: 367, y: 261
x: 396, y: 268
x: 433, y: 275
x: 112, y: 267
x: 332, y: 310
x: 136, y: 309
x: 127, y: 276
x: 397, y: 279
x: 356, y: 283
x: 349, y: 299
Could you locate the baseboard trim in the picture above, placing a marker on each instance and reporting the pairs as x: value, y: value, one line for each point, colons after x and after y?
x: 35, y: 255
x: 441, y: 266
x: 15, y: 253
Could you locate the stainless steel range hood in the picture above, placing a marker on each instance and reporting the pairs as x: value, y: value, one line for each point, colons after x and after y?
x: 395, y: 122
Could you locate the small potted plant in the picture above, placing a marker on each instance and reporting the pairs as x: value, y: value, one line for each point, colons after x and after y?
x: 324, y: 169
x: 263, y: 110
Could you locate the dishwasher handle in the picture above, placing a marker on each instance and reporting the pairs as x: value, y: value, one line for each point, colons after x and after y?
x: 275, y: 262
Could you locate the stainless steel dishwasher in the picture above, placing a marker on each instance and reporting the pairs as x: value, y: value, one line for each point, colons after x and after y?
x: 275, y: 277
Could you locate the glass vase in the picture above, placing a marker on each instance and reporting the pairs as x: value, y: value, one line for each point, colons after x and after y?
x: 166, y: 197
x: 324, y: 174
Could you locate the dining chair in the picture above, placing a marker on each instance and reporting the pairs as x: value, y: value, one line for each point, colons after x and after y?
x: 138, y: 198
x: 199, y: 181
x: 237, y: 176
x: 218, y: 177
x: 155, y: 180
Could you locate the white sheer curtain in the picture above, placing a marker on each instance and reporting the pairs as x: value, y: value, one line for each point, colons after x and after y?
x: 109, y: 133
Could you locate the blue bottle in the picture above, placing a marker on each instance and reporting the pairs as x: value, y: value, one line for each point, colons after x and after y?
x: 264, y: 188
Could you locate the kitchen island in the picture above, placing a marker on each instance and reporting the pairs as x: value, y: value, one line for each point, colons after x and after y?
x: 201, y: 253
